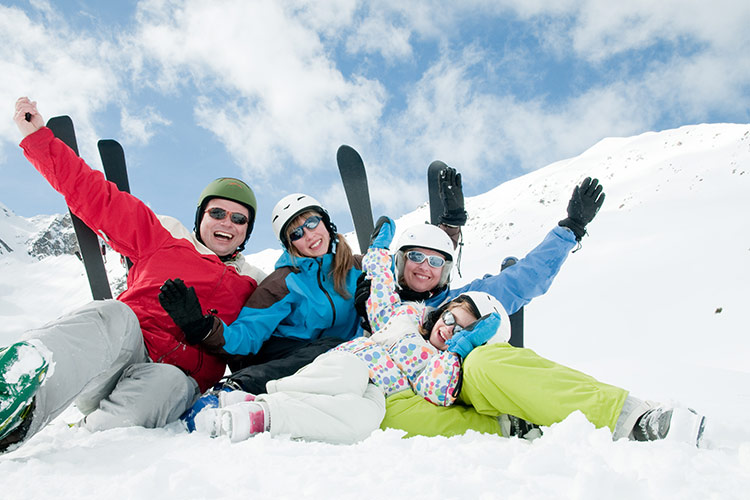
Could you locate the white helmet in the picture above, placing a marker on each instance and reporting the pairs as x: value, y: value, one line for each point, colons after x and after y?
x: 291, y: 206
x: 430, y: 237
x: 485, y: 304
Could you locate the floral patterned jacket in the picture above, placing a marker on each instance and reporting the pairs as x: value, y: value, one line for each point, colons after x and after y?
x: 397, y: 355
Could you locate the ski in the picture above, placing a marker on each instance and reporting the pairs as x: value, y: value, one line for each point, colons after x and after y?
x: 516, y: 319
x: 354, y: 179
x: 113, y: 160
x: 433, y: 190
x: 88, y: 241
x: 436, y: 210
x: 115, y: 169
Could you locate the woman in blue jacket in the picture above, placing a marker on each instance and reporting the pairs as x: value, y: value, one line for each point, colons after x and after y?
x: 303, y: 308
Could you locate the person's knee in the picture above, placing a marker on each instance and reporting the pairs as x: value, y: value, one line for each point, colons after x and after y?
x: 114, y: 311
x: 477, y: 359
x: 147, y: 395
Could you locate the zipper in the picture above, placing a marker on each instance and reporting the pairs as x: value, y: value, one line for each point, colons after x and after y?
x: 328, y: 296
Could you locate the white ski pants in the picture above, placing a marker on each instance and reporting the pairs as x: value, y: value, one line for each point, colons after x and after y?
x: 330, y: 400
x: 100, y: 362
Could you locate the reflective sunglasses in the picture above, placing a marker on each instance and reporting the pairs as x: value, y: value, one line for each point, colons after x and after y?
x: 221, y: 214
x: 450, y: 320
x: 310, y: 223
x: 419, y: 257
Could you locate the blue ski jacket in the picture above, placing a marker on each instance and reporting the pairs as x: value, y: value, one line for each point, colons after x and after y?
x: 298, y: 301
x: 530, y: 277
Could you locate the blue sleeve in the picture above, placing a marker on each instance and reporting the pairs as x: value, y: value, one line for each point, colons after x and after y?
x: 530, y: 277
x: 253, y: 326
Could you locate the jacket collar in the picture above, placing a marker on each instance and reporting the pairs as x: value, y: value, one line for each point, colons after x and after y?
x: 303, y: 263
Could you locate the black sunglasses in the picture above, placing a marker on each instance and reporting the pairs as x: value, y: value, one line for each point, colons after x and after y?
x: 310, y: 223
x: 221, y: 214
x: 419, y: 257
x: 450, y: 320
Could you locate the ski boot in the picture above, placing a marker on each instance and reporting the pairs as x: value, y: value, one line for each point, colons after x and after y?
x: 510, y: 425
x: 218, y: 397
x: 673, y: 424
x: 23, y: 369
x: 238, y: 421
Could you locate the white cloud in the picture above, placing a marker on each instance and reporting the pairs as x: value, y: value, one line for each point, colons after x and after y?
x: 270, y: 90
x: 450, y: 117
x: 140, y: 129
x: 264, y: 78
x: 329, y: 18
x: 64, y: 71
x: 378, y: 35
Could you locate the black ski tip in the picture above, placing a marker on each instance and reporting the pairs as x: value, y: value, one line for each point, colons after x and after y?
x: 108, y: 144
x: 437, y: 165
x: 346, y: 152
x: 62, y: 127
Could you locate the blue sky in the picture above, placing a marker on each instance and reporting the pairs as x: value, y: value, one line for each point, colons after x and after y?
x: 267, y: 90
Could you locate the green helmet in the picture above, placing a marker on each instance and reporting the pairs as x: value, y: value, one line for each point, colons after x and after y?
x: 232, y: 189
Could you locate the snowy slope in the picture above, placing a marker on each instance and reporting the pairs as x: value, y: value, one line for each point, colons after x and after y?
x: 655, y: 301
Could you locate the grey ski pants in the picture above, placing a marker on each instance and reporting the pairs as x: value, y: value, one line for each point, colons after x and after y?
x: 99, y: 361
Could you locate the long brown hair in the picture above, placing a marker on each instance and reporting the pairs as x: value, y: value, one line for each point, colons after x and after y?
x: 343, y: 259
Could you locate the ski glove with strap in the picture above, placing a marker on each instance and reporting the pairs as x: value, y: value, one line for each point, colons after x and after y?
x: 452, y: 196
x: 361, y: 294
x: 474, y: 335
x: 586, y: 201
x: 182, y: 305
x: 382, y: 235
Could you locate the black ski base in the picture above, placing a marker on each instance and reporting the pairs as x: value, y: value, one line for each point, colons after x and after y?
x: 516, y: 319
x: 113, y: 160
x: 354, y: 178
x: 433, y: 190
x: 88, y: 241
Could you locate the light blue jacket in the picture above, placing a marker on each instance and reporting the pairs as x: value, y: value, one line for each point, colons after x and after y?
x: 530, y: 277
x: 296, y: 301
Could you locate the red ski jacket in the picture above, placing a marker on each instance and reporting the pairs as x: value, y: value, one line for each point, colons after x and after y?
x: 133, y: 230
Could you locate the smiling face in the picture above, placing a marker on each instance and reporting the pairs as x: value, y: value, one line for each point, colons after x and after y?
x: 422, y: 277
x: 223, y: 236
x: 314, y: 242
x: 441, y: 332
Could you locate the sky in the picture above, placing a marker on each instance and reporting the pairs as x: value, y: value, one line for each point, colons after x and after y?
x: 655, y: 301
x: 268, y: 90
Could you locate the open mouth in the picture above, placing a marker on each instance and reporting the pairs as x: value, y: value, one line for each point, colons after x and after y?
x: 220, y: 235
x: 442, y: 336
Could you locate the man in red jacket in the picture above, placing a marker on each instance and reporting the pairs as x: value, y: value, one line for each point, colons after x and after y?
x: 125, y: 362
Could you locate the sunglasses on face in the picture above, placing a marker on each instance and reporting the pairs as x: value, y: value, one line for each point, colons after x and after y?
x: 221, y: 214
x: 450, y: 320
x: 310, y: 223
x: 419, y: 257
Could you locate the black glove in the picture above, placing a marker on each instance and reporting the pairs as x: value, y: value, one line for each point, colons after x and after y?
x: 183, y: 307
x: 586, y: 201
x: 361, y: 294
x: 452, y: 196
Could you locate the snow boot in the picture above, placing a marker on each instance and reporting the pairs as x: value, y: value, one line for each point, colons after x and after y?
x: 510, y: 425
x: 228, y: 398
x: 218, y: 397
x: 23, y: 368
x: 238, y: 421
x: 673, y: 424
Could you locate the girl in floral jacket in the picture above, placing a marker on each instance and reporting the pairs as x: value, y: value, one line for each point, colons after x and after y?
x: 340, y: 397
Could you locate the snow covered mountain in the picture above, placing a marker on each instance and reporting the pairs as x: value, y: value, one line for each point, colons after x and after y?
x: 39, y: 237
x: 655, y: 301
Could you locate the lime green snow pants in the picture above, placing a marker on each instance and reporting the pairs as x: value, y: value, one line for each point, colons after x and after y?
x: 500, y: 378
